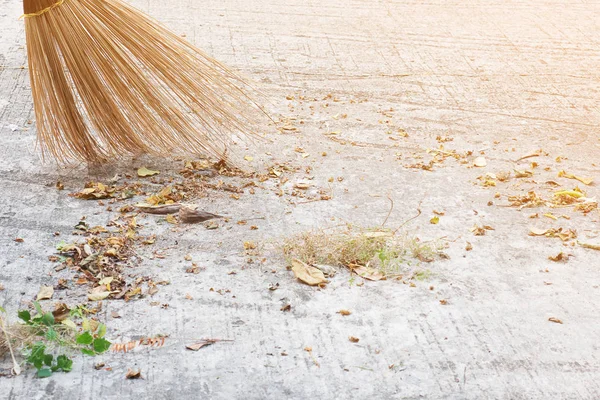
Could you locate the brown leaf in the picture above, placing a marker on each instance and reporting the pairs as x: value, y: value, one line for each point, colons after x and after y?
x: 188, y: 215
x: 164, y: 209
x: 555, y: 320
x: 353, y: 339
x: 344, y: 312
x: 369, y: 273
x: 132, y: 374
x: 469, y: 247
x: 559, y: 257
x: 61, y: 312
x: 478, y: 230
x: 19, y: 240
x: 307, y: 274
x: 286, y: 308
x: 203, y: 343
x: 45, y: 293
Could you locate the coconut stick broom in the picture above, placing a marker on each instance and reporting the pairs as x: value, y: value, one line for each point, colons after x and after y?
x: 108, y: 81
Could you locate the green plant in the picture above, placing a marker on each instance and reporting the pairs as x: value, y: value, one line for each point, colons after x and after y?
x: 48, y: 341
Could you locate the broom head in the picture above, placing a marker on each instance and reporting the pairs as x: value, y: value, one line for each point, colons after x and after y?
x: 108, y: 81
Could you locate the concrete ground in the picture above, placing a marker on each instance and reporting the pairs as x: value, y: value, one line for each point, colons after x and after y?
x: 504, y: 79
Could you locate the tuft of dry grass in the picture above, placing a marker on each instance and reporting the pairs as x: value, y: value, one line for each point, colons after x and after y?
x: 393, y: 255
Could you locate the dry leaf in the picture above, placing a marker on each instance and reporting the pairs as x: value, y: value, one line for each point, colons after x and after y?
x: 145, y: 172
x: 478, y: 230
x: 131, y: 374
x: 45, y: 293
x: 163, y: 209
x: 469, y: 247
x: 444, y: 302
x: 435, y: 220
x: 538, y: 231
x: 344, y: 312
x: 307, y: 274
x: 203, y: 343
x: 571, y: 193
x: 559, y: 257
x: 523, y: 174
x: 480, y: 162
x: 188, y: 215
x: 589, y: 246
x: 249, y: 158
x: 369, y: 273
x: 99, y: 293
x: 353, y: 339
x: 555, y: 320
x: 302, y: 186
x: 585, y: 181
x: 551, y: 216
x: 61, y: 312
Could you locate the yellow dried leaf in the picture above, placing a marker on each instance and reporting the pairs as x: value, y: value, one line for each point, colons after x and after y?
x: 523, y: 174
x: 145, y: 172
x: 551, y: 216
x: 572, y: 193
x: 589, y: 246
x: 310, y: 275
x: 249, y: 158
x: 435, y: 220
x: 585, y: 181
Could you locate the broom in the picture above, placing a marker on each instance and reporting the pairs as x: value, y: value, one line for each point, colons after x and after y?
x: 108, y: 81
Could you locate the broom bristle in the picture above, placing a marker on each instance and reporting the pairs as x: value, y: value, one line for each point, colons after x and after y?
x: 108, y: 81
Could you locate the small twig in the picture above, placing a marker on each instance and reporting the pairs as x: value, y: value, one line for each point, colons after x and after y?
x: 16, y: 368
x: 390, y: 212
x: 528, y: 156
x: 411, y: 219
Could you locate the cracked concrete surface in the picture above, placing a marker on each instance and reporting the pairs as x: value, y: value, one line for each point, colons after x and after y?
x: 503, y: 77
